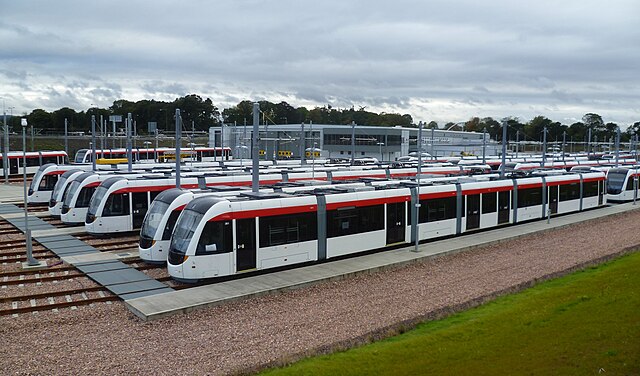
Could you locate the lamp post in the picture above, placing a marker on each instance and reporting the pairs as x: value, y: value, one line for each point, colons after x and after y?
x: 30, y: 260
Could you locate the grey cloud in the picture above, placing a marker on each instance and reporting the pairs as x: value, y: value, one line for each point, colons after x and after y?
x: 433, y: 59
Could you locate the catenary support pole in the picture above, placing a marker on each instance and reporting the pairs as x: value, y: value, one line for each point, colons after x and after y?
x: 303, y: 146
x: 418, y: 177
x: 129, y: 152
x: 564, y: 142
x: 353, y: 142
x: 617, y: 146
x: 504, y: 149
x: 544, y: 146
x: 5, y: 152
x: 178, y: 142
x: 93, y: 142
x: 66, y: 136
x: 255, y: 148
x: 433, y: 155
x: 484, y: 145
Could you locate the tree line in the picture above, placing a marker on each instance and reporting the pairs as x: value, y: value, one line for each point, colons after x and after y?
x: 200, y: 114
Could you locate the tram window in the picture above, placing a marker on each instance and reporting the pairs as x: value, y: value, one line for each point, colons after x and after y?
x: 350, y: 221
x: 629, y: 184
x: 49, y: 160
x: 84, y: 197
x: 437, y: 209
x: 117, y: 204
x: 48, y: 182
x: 569, y: 192
x: 219, y: 233
x: 489, y: 202
x: 31, y: 162
x: 171, y: 223
x: 590, y: 189
x: 529, y: 197
x: 285, y: 229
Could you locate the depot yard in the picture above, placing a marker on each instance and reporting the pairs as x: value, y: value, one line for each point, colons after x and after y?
x: 584, y: 323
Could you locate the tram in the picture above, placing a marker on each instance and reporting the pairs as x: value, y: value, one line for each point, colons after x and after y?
x: 222, y: 236
x: 133, y: 196
x: 200, y: 154
x: 35, y: 159
x: 622, y: 183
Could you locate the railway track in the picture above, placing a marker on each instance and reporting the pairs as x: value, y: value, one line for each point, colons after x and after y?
x: 62, y: 273
x: 55, y: 300
x: 16, y: 281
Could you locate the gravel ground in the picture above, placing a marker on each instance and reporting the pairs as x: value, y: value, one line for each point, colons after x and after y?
x: 246, y: 335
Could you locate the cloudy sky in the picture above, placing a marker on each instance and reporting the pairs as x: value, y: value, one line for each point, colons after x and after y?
x: 442, y: 60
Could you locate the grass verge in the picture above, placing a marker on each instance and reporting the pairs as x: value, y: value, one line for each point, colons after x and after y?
x: 584, y: 323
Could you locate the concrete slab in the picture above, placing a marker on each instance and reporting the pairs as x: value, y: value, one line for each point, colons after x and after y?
x: 62, y: 243
x: 99, y: 256
x: 182, y: 301
x: 60, y: 231
x: 141, y: 294
x: 101, y: 266
x: 116, y: 277
x: 133, y: 287
x: 51, y: 238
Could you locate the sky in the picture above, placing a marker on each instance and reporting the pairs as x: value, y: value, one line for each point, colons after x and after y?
x: 441, y: 60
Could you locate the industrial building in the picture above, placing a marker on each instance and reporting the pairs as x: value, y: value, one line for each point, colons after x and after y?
x: 282, y: 141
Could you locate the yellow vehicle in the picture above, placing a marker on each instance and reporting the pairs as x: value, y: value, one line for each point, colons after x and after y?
x: 111, y: 161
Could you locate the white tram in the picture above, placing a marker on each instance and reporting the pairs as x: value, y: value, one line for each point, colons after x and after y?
x: 76, y: 198
x: 45, y: 178
x: 133, y: 197
x: 221, y: 236
x: 35, y: 159
x: 160, y: 220
x: 201, y: 154
x: 622, y: 183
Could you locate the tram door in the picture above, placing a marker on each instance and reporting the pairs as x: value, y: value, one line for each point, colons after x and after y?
x: 473, y: 212
x: 503, y: 207
x: 245, y: 244
x: 553, y: 199
x: 140, y: 206
x: 395, y: 223
x: 13, y: 166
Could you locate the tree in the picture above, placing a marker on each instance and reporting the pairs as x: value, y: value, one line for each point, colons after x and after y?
x: 41, y: 119
x: 491, y: 125
x: 202, y: 113
x: 595, y: 123
x: 60, y: 115
x: 473, y: 125
x: 240, y: 113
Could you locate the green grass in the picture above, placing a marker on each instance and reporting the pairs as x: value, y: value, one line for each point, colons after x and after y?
x: 585, y: 323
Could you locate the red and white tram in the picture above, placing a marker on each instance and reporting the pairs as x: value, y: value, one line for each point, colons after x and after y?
x: 221, y: 236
